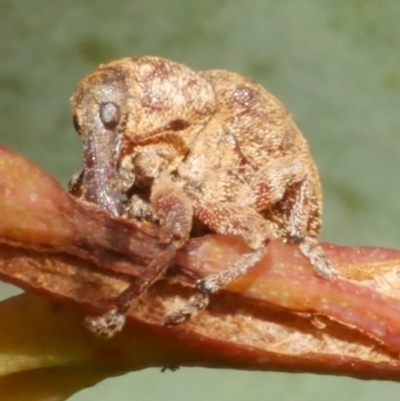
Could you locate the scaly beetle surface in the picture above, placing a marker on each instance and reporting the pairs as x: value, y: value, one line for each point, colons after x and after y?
x: 195, y: 152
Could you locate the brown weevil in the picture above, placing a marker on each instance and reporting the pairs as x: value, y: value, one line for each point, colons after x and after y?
x: 186, y: 148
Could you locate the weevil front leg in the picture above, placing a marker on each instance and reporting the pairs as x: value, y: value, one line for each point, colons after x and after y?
x: 75, y: 185
x: 111, y: 322
x: 174, y: 212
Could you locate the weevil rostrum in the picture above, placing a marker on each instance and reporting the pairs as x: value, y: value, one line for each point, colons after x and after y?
x: 192, y: 149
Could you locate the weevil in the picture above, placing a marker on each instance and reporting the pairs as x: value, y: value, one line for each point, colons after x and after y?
x: 188, y: 149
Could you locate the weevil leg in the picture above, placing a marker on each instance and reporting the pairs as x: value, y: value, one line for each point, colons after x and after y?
x: 174, y: 212
x: 111, y: 322
x: 308, y: 245
x: 254, y: 229
x: 75, y: 185
x: 214, y: 283
x: 153, y: 272
x: 315, y: 254
x: 195, y: 304
x: 219, y: 280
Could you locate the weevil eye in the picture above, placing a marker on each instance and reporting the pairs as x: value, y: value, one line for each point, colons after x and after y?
x: 109, y: 115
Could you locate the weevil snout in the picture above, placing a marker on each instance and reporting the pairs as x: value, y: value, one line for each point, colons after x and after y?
x: 98, y: 114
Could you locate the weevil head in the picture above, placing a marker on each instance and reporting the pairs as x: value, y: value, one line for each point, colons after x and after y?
x: 139, y: 114
x: 99, y: 115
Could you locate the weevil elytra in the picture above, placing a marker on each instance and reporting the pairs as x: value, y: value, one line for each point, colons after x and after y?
x: 193, y: 149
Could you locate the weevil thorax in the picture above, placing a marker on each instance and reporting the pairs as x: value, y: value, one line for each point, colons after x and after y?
x: 174, y: 105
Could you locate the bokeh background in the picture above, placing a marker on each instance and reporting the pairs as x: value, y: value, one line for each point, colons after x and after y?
x: 334, y: 63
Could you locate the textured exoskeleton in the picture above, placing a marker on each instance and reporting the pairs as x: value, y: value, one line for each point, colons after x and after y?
x: 191, y: 150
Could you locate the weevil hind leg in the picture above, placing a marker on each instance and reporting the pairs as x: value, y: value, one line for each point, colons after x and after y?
x: 303, y: 229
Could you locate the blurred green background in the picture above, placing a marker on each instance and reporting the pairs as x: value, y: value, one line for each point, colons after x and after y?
x: 335, y: 64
